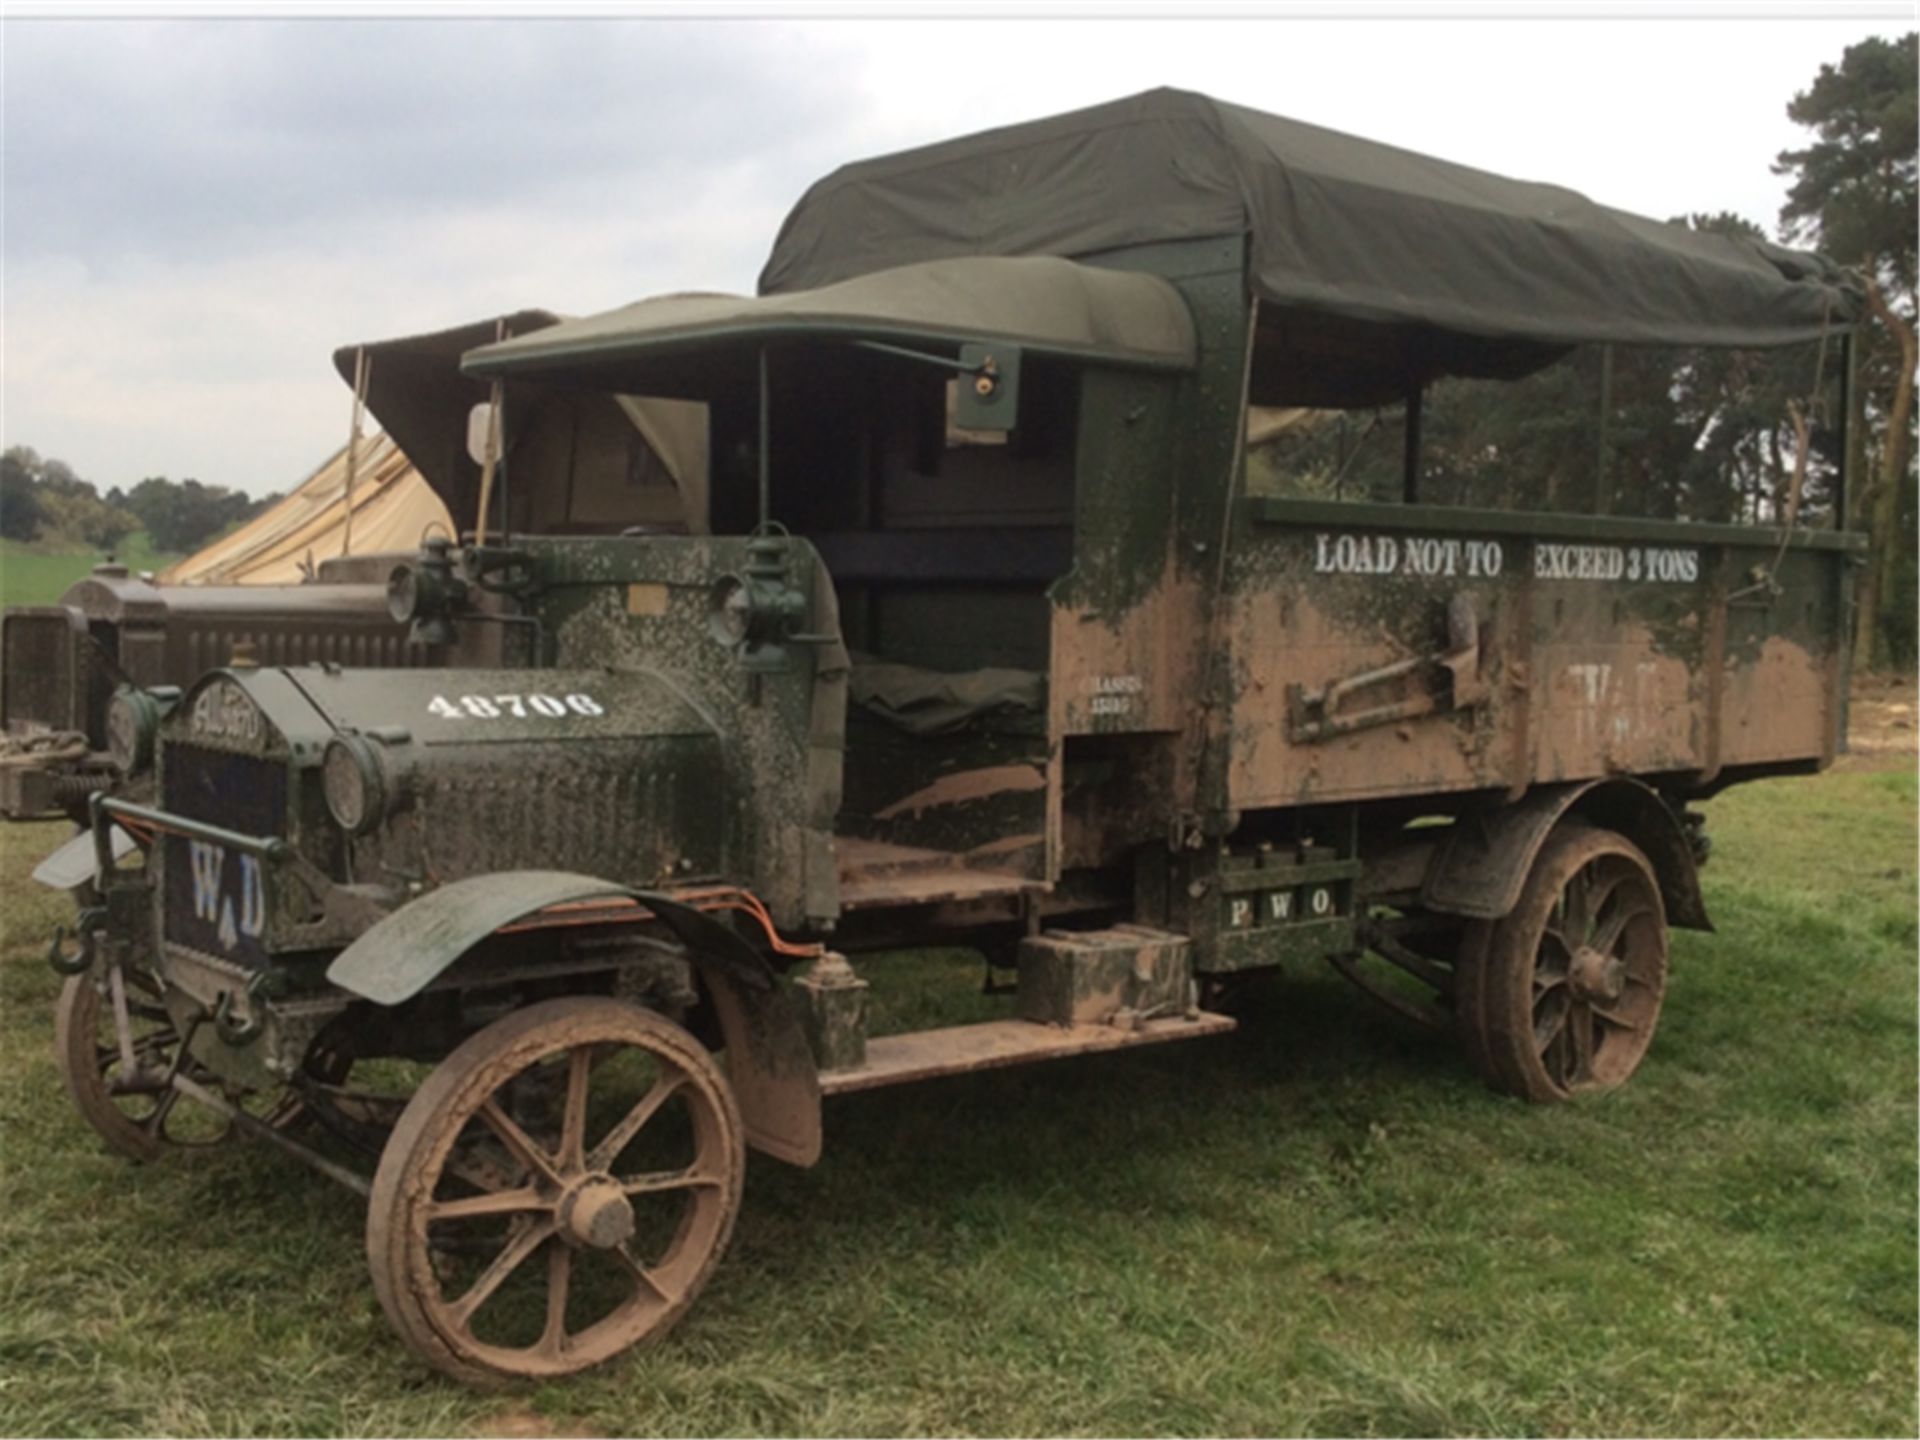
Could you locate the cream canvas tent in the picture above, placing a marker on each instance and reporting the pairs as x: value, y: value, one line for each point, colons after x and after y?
x: 393, y: 507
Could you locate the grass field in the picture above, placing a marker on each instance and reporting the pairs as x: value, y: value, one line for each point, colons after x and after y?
x: 31, y: 575
x: 1321, y: 1224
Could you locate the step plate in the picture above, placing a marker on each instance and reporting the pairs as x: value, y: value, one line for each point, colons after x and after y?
x: 996, y: 1044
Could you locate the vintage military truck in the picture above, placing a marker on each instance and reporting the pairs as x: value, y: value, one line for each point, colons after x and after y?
x: 977, y: 633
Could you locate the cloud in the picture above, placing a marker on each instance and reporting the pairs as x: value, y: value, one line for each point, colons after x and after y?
x: 181, y: 139
x: 198, y: 212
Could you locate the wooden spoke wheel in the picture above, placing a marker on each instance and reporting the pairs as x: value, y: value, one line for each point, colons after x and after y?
x: 134, y: 1110
x: 1562, y: 995
x: 557, y: 1191
x: 131, y: 1109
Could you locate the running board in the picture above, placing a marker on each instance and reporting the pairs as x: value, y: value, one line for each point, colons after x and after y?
x: 996, y: 1044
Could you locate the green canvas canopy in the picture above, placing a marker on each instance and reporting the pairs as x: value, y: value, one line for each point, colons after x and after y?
x: 1498, y: 275
x: 1050, y: 306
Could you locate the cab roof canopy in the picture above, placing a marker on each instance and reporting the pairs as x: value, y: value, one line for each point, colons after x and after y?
x: 417, y: 393
x: 1395, y: 267
x: 1049, y: 306
x: 416, y: 390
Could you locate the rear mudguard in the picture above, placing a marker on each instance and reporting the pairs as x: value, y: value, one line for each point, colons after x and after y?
x: 768, y: 1060
x: 1485, y: 858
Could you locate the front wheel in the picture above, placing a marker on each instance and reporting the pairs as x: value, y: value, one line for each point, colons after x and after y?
x: 1562, y: 995
x: 557, y: 1191
x: 132, y: 1108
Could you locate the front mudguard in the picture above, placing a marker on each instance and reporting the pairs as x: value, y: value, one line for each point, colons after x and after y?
x: 768, y: 1061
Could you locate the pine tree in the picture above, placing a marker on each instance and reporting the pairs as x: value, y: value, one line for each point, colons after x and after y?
x: 1853, y: 195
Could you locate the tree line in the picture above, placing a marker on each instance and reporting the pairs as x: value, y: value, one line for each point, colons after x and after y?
x: 1852, y: 194
x: 43, y: 499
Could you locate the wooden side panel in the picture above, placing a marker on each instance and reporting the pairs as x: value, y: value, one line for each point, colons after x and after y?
x: 1309, y: 612
x: 1780, y: 682
x: 1374, y: 659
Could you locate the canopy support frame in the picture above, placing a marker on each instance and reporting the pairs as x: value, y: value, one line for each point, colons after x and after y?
x: 1410, y: 457
x: 496, y: 403
x: 1603, y: 457
x: 766, y: 443
x: 362, y: 376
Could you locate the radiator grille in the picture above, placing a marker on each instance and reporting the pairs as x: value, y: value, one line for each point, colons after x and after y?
x: 208, y: 647
x: 216, y: 900
x: 38, y: 663
x: 572, y: 818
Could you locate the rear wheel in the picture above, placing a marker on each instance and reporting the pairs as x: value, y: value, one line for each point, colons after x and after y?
x: 1562, y: 995
x: 557, y: 1191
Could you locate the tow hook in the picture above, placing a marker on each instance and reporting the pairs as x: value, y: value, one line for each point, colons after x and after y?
x: 233, y: 1032
x: 81, y: 959
x: 239, y: 1032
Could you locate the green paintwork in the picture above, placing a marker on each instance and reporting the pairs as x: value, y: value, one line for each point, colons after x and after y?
x: 621, y: 782
x: 991, y: 400
x: 797, y: 633
x: 1603, y: 646
x: 1267, y: 948
x: 404, y: 953
x: 265, y: 847
x: 775, y: 790
x: 1273, y: 909
x: 1124, y: 495
x: 1242, y: 878
x: 1480, y: 869
x: 894, y: 794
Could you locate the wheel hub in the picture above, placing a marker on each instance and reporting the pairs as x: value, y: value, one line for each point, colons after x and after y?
x: 596, y: 1213
x: 1597, y: 977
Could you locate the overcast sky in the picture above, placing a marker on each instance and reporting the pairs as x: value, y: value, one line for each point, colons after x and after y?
x: 198, y: 211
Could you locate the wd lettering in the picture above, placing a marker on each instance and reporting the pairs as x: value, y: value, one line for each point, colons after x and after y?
x: 232, y: 905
